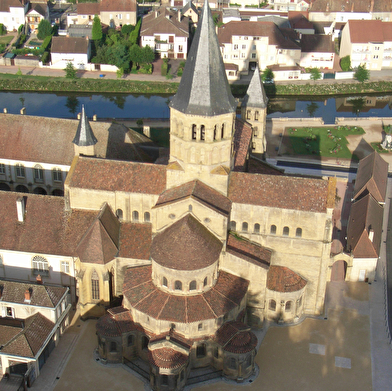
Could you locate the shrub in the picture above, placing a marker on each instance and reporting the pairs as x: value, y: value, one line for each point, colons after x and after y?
x: 70, y: 71
x: 45, y: 58
x: 46, y: 42
x: 345, y: 63
x: 361, y: 74
x: 315, y: 74
x: 164, y: 67
x: 146, y: 69
x: 3, y: 29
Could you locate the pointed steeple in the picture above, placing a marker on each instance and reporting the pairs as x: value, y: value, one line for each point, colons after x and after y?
x: 204, y: 89
x: 84, y: 135
x: 255, y: 96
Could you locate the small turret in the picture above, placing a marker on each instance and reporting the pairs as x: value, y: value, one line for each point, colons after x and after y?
x: 84, y: 141
x: 254, y: 111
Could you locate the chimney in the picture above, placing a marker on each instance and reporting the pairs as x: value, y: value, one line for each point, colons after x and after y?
x: 39, y: 280
x: 27, y: 295
x: 371, y: 234
x: 179, y: 15
x: 20, y: 209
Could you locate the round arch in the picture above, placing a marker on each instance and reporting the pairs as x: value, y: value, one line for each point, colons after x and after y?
x: 4, y: 187
x: 40, y: 190
x: 339, y: 270
x: 21, y: 189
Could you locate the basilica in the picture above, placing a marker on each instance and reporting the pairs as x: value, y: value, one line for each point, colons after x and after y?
x: 179, y: 257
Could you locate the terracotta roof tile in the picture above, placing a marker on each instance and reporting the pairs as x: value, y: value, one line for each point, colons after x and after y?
x: 118, y: 5
x: 139, y: 290
x: 350, y: 6
x: 117, y: 321
x: 135, y: 241
x: 279, y: 191
x: 173, y: 337
x: 365, y: 31
x: 198, y: 191
x: 242, y: 144
x: 256, y: 166
x: 69, y: 45
x: 88, y: 8
x: 167, y: 358
x: 317, y: 43
x: 186, y: 245
x: 9, y: 328
x: 111, y: 175
x: 282, y: 279
x: 41, y: 295
x: 251, y: 252
x: 236, y: 337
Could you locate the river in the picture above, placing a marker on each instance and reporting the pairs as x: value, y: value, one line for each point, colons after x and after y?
x: 154, y: 106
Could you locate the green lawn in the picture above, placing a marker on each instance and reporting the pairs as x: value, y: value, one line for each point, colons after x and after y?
x: 160, y: 136
x: 377, y: 147
x: 6, y: 39
x: 327, y: 141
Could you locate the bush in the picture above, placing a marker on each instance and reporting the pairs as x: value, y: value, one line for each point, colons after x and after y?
x: 44, y: 29
x: 164, y: 67
x: 46, y: 43
x: 345, y: 63
x: 361, y: 74
x: 146, y: 69
x: 70, y: 71
x: 45, y: 58
x: 315, y: 73
x: 3, y: 29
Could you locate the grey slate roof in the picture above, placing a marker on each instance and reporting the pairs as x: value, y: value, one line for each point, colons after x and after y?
x: 255, y: 95
x: 204, y: 89
x: 84, y: 135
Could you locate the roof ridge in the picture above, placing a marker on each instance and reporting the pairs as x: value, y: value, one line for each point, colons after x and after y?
x: 209, y: 306
x: 145, y: 297
x: 163, y: 306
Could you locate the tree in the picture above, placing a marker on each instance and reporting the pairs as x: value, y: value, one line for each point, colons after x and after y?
x: 361, y: 74
x: 267, y: 76
x: 147, y: 55
x: 119, y: 56
x: 127, y: 29
x: 311, y: 108
x: 345, y: 63
x: 70, y: 71
x: 315, y: 74
x: 72, y: 104
x: 3, y: 29
x: 97, y: 29
x: 134, y: 35
x: 44, y: 29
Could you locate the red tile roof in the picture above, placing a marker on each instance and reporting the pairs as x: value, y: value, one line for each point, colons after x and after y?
x: 88, y: 8
x: 257, y: 166
x: 279, y: 191
x: 174, y: 337
x: 256, y: 29
x: 70, y: 45
x: 372, y: 177
x: 365, y: 31
x: 242, y: 144
x: 118, y: 5
x: 111, y: 175
x: 144, y: 296
x: 317, y: 43
x: 282, y: 279
x: 135, y: 241
x: 251, y: 252
x: 117, y: 321
x: 236, y: 337
x: 198, y: 191
x: 167, y: 358
x: 365, y: 214
x: 186, y: 245
x: 31, y: 338
x: 327, y: 6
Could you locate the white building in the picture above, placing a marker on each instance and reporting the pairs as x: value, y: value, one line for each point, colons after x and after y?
x: 12, y: 13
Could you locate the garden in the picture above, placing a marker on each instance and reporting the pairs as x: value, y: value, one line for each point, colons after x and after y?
x: 326, y: 141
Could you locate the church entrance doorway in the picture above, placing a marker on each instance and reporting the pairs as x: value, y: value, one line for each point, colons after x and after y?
x: 339, y: 269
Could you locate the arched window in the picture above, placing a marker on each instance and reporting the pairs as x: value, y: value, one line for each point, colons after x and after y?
x: 202, y: 133
x: 300, y: 302
x: 146, y: 217
x: 248, y: 114
x: 256, y: 228
x: 113, y: 346
x: 131, y: 339
x: 249, y: 361
x: 205, y: 282
x: 192, y: 285
x: 165, y: 380
x: 135, y: 215
x: 288, y: 306
x: 57, y: 175
x: 119, y: 214
x: 20, y: 170
x: 94, y: 286
x: 223, y: 131
x: 232, y: 363
x: 144, y: 342
x: 190, y: 208
x: 164, y: 282
x: 233, y: 225
x: 193, y: 132
x: 273, y: 230
x: 272, y: 305
x: 178, y: 285
x: 286, y: 231
x: 40, y: 265
x: 256, y: 115
x: 200, y: 326
x: 245, y: 227
x: 214, y: 132
x: 38, y: 173
x: 216, y: 352
x: 298, y: 232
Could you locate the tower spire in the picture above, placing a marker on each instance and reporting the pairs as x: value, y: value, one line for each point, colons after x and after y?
x: 204, y: 89
x: 255, y: 95
x: 84, y: 139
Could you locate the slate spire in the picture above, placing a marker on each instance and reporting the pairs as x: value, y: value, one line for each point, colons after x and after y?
x: 84, y: 135
x: 204, y: 89
x: 255, y: 95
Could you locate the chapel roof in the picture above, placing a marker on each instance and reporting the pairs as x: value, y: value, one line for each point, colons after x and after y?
x: 112, y: 175
x: 204, y: 89
x: 40, y: 295
x: 366, y: 214
x: 242, y: 139
x: 278, y: 191
x: 283, y: 279
x: 372, y: 177
x: 186, y: 245
x: 198, y: 191
x: 255, y: 94
x: 144, y: 296
x: 115, y: 322
x: 167, y: 358
x: 135, y: 240
x: 33, y: 333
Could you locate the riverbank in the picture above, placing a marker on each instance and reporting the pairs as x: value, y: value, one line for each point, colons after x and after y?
x: 47, y: 80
